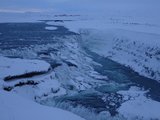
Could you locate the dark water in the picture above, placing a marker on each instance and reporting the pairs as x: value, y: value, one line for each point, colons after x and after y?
x: 14, y: 35
x: 123, y: 75
x: 103, y: 98
x: 106, y: 98
x: 120, y: 78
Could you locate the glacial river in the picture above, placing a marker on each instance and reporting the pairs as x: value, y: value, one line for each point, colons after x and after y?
x: 14, y: 35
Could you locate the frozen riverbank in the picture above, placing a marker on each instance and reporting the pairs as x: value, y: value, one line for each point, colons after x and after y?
x: 139, y: 51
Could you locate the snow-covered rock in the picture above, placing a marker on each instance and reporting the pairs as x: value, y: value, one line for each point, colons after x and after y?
x: 138, y: 106
x: 12, y: 68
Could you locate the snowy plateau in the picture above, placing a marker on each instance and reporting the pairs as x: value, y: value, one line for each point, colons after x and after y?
x: 79, y: 60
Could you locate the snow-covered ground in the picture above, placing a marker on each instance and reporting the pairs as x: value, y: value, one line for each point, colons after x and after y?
x: 138, y: 50
x: 14, y: 107
x: 10, y: 68
x: 138, y: 107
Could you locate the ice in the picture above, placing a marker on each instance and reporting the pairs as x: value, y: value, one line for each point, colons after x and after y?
x: 51, y: 28
x: 139, y: 106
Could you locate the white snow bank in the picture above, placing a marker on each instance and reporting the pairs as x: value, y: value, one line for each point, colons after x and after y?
x: 139, y: 107
x: 50, y: 88
x: 140, y: 51
x: 15, y: 107
x: 112, y: 22
x: 15, y: 67
x: 141, y: 16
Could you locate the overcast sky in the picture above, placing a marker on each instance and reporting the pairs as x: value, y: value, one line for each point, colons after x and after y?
x: 29, y: 4
x: 74, y: 5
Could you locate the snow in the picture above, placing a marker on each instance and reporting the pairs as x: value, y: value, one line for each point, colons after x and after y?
x: 53, y: 83
x: 68, y: 50
x: 139, y: 106
x: 126, y: 31
x: 60, y: 80
x: 51, y: 28
x: 18, y: 108
x: 50, y: 87
x: 137, y: 50
x: 19, y: 17
x: 15, y: 67
x: 134, y: 15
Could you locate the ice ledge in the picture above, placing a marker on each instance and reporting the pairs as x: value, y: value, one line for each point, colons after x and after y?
x: 21, y: 68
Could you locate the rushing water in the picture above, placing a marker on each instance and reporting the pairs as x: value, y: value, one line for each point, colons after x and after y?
x: 123, y: 75
x: 14, y: 35
x: 106, y: 98
x: 103, y: 98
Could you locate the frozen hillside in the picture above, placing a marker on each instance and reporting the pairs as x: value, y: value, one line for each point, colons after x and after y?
x: 137, y: 50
